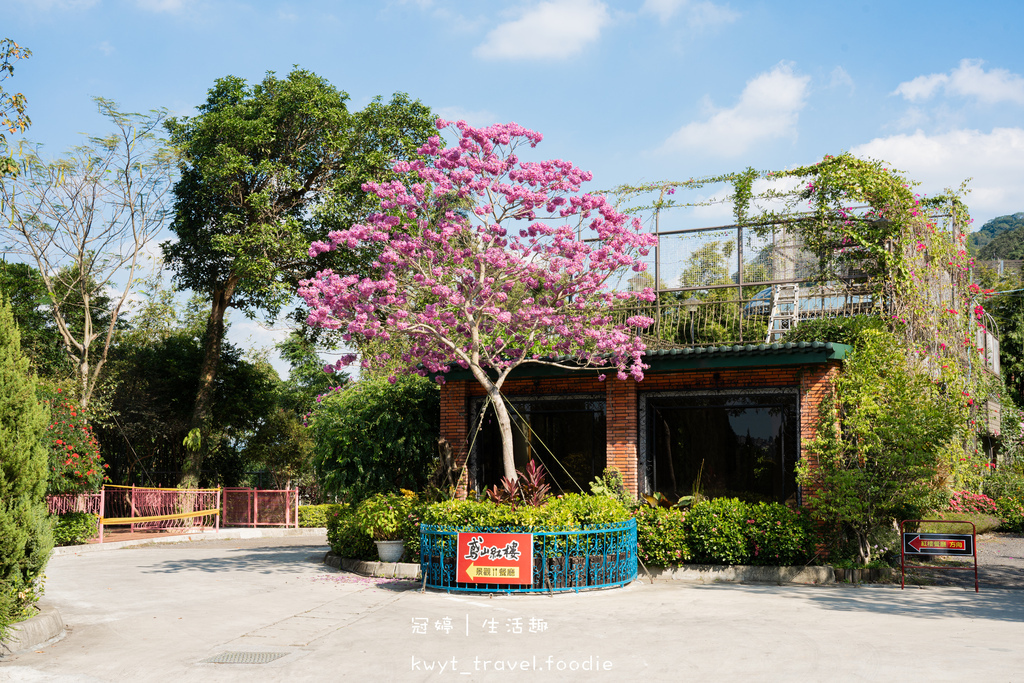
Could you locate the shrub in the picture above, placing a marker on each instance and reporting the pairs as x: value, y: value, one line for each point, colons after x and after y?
x: 75, y: 528
x: 316, y: 516
x: 612, y: 485
x: 346, y: 536
x: 589, y: 510
x: 1011, y: 512
x: 570, y: 512
x: 26, y: 533
x: 776, y: 535
x: 964, y: 501
x: 1004, y: 483
x: 716, y: 531
x: 75, y: 463
x: 385, y: 516
x: 661, y: 536
x: 373, y: 436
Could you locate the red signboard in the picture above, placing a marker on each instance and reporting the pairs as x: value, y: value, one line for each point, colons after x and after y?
x: 495, y: 558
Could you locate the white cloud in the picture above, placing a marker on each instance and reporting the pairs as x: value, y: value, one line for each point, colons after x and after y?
x: 994, y: 161
x: 839, y: 78
x: 106, y: 48
x: 696, y: 14
x: 163, y: 5
x: 556, y: 29
x: 967, y: 80
x: 477, y: 118
x: 768, y: 109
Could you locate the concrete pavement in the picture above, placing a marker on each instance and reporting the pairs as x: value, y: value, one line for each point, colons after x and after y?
x: 155, y: 613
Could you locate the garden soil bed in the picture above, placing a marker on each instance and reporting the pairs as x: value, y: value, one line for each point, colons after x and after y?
x: 1000, y: 565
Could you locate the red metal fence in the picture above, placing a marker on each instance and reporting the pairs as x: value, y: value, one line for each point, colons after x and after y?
x: 63, y: 503
x: 159, y: 508
x: 261, y: 507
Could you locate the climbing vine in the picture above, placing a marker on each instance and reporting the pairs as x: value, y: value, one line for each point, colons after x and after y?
x: 859, y: 216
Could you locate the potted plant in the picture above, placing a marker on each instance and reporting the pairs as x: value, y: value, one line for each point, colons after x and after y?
x: 384, y: 517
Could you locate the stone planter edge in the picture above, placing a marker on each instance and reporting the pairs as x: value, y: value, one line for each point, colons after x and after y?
x: 707, y: 573
x: 33, y: 632
x: 382, y: 570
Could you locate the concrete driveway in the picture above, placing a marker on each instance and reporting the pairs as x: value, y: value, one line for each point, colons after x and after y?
x: 157, y: 613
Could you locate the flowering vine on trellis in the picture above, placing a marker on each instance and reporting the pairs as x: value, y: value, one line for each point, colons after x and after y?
x: 857, y: 213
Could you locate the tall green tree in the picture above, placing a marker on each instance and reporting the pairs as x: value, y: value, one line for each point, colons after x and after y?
x: 25, y: 534
x: 153, y: 374
x: 265, y: 170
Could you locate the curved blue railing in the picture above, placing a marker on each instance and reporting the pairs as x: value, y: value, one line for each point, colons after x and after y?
x: 597, y: 556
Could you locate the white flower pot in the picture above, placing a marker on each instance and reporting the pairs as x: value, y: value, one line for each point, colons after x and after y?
x: 390, y: 551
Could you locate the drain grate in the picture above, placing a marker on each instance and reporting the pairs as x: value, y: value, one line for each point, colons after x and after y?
x: 243, y: 657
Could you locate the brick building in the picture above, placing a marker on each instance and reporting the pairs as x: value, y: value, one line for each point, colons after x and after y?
x: 734, y: 417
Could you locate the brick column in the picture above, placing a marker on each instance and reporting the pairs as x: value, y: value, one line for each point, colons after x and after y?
x: 455, y: 425
x: 815, y: 385
x: 622, y: 424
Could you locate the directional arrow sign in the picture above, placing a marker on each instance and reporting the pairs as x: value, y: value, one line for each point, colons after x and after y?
x: 938, y: 544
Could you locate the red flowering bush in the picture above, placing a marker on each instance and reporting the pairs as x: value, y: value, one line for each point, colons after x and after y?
x: 964, y: 501
x: 75, y: 463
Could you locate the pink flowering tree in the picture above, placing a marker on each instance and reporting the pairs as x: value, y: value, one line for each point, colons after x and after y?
x: 488, y: 263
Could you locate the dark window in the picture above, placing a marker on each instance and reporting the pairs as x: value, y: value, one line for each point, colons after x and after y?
x: 566, y: 435
x: 736, y: 445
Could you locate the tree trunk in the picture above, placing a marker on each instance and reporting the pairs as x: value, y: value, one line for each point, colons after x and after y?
x: 508, y: 459
x: 203, y: 409
x: 493, y: 390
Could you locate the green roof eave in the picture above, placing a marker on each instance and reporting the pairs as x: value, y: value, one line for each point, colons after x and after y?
x: 698, y: 358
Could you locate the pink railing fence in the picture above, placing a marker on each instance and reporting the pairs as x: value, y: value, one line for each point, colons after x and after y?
x: 261, y: 507
x: 159, y: 508
x: 63, y: 503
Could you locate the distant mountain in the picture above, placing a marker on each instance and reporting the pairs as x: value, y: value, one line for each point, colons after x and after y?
x: 979, y: 242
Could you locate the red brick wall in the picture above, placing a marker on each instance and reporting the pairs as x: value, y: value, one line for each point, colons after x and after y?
x: 623, y: 402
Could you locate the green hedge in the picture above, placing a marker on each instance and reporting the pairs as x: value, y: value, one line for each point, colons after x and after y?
x: 720, y: 531
x: 75, y: 528
x: 724, y: 531
x: 315, y: 516
x: 564, y: 513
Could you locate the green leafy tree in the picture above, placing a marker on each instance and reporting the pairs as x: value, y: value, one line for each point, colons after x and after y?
x: 376, y: 436
x: 880, y: 443
x: 265, y: 170
x: 24, y: 287
x: 84, y: 221
x: 25, y: 533
x: 152, y: 377
x: 12, y: 105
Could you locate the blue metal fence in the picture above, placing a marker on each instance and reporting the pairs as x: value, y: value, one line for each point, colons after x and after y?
x: 598, y: 556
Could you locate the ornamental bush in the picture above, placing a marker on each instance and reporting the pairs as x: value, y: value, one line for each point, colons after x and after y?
x: 375, y: 436
x: 316, y: 516
x: 716, y: 531
x: 1011, y: 513
x: 346, y: 536
x: 661, y: 536
x: 75, y: 528
x: 26, y: 534
x: 75, y: 462
x: 777, y: 535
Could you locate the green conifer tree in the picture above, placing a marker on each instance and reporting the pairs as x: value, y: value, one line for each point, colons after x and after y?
x: 26, y: 536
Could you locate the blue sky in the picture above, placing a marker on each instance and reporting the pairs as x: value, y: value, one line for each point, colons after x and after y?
x: 632, y: 91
